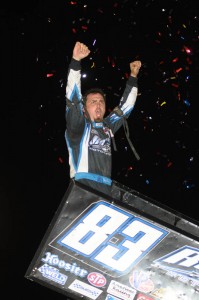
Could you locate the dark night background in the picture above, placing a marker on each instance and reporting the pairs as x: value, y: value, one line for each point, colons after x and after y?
x: 37, y: 38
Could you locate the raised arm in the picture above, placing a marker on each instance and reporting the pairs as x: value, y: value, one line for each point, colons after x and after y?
x: 74, y: 113
x: 127, y: 102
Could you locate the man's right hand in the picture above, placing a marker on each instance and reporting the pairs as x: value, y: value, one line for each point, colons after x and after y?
x: 80, y: 51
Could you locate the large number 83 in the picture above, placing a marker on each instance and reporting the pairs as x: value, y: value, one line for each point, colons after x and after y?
x: 112, y: 237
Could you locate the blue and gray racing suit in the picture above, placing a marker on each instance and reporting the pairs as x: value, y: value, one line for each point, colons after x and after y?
x: 89, y: 143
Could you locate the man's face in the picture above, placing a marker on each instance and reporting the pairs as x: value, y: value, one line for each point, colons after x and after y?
x: 96, y: 107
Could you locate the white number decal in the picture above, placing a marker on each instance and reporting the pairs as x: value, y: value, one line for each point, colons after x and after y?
x: 112, y: 237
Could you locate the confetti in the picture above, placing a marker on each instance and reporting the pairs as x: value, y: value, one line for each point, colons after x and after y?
x: 163, y: 124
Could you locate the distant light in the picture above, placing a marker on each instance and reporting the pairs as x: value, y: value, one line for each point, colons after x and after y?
x: 187, y: 102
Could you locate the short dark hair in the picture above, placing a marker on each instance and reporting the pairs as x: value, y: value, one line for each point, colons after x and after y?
x: 93, y: 91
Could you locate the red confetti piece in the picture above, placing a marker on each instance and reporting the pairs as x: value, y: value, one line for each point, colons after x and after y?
x: 175, y: 60
x: 84, y: 27
x: 169, y: 164
x: 175, y: 85
x: 188, y: 51
x: 179, y: 96
x: 113, y: 63
x: 49, y: 75
x: 178, y: 70
x: 60, y: 159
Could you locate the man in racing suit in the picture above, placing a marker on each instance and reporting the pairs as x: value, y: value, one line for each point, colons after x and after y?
x: 88, y: 134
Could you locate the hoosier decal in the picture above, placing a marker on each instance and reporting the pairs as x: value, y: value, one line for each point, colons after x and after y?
x: 54, y: 260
